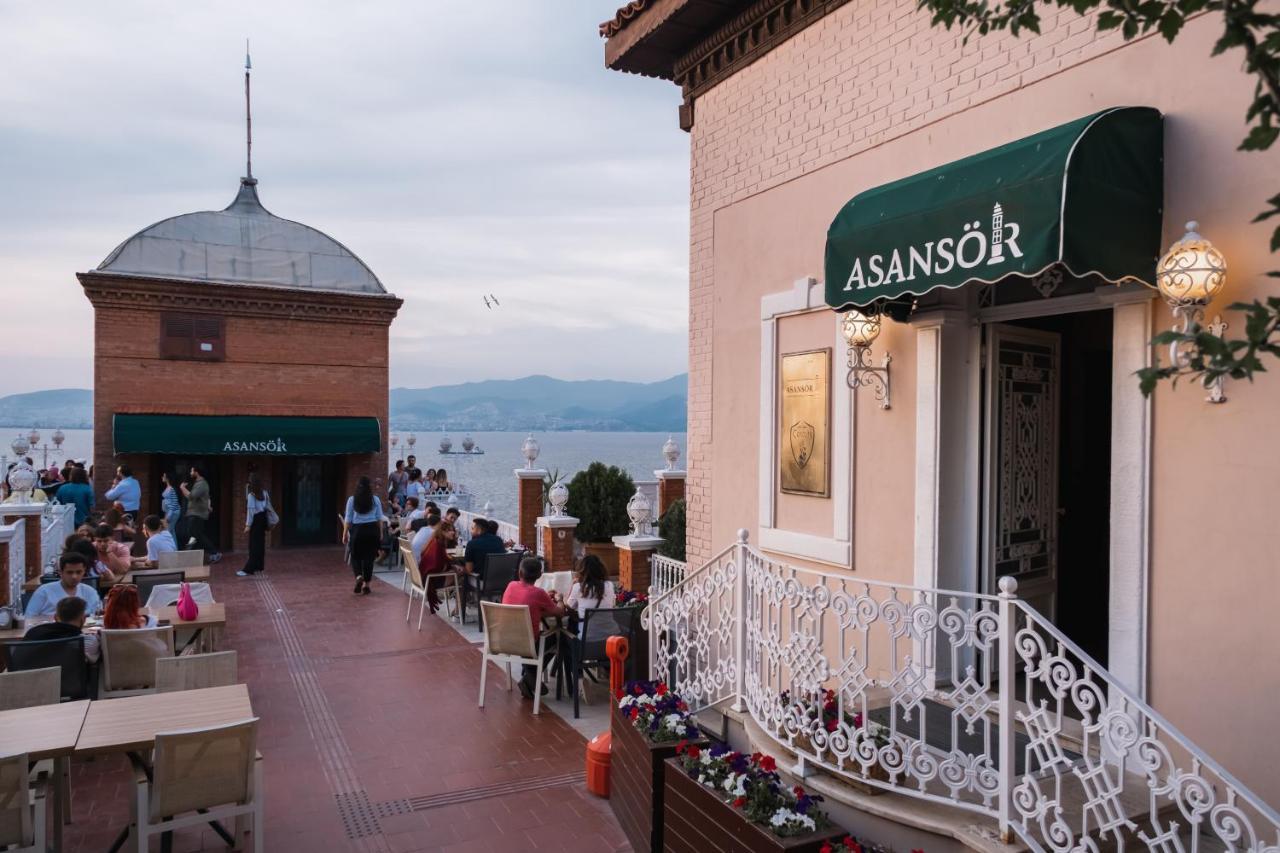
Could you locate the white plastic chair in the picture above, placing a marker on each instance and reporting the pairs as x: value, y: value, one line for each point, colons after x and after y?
x: 22, y: 806
x: 508, y: 639
x: 165, y: 594
x: 129, y: 660
x: 198, y: 776
x: 195, y: 672
x: 30, y: 687
x: 179, y: 559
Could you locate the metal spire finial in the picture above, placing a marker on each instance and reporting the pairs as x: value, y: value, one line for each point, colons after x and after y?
x: 248, y: 117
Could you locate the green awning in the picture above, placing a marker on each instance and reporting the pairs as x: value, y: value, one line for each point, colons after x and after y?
x: 1087, y: 195
x: 200, y: 435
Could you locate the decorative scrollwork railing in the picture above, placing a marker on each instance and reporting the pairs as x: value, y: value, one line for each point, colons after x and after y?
x: 57, y: 522
x: 971, y: 700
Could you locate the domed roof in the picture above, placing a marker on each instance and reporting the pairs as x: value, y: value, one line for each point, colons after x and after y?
x: 244, y: 244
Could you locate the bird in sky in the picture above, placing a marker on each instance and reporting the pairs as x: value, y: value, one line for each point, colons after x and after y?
x: 488, y: 304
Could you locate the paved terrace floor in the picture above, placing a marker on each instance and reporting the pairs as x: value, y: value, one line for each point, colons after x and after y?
x: 370, y: 733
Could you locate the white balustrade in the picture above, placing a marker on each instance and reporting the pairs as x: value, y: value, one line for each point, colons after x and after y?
x: 57, y: 522
x: 15, y: 535
x: 974, y: 701
x: 664, y: 573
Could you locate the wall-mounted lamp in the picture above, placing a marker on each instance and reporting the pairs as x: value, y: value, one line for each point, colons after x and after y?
x: 1189, y: 275
x: 859, y: 331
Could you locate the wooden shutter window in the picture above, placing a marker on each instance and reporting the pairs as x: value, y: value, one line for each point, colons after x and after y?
x: 196, y: 337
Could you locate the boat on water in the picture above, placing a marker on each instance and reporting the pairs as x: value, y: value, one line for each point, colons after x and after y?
x: 469, y: 447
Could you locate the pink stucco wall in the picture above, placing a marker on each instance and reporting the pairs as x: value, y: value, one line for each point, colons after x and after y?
x: 871, y: 94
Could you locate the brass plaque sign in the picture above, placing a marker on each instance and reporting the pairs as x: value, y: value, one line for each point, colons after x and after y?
x: 804, y: 430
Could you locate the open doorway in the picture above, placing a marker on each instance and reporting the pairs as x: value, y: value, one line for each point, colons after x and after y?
x: 1047, y: 468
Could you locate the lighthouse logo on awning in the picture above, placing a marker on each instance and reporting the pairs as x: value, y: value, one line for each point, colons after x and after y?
x: 938, y: 257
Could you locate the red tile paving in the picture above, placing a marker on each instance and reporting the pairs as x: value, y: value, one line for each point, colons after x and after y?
x: 370, y: 732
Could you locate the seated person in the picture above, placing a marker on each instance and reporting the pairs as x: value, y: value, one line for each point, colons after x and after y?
x: 483, y: 542
x: 540, y: 603
x: 68, y: 622
x: 435, y: 560
x: 451, y: 515
x: 71, y: 571
x: 422, y: 530
x: 411, y: 510
x: 116, y: 519
x: 113, y: 560
x: 591, y: 590
x: 159, y: 540
x: 124, y: 609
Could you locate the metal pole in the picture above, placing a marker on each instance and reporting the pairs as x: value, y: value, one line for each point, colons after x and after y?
x: 1008, y: 672
x: 740, y: 628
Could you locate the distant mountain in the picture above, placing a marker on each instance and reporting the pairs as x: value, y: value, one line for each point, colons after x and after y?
x: 541, y: 402
x: 68, y: 408
x: 535, y: 402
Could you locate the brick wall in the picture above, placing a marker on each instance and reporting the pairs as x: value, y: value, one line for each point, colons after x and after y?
x: 860, y: 77
x: 294, y: 364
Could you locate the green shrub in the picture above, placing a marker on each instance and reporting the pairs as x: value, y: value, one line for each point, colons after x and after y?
x: 671, y: 529
x: 598, y: 499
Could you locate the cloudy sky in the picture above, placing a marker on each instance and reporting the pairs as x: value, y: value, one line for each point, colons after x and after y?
x: 457, y: 148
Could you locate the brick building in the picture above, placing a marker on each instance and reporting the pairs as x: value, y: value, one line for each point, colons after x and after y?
x: 241, y: 341
x: 803, y: 112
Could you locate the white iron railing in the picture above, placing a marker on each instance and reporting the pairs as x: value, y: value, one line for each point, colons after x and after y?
x: 664, y: 573
x: 975, y: 701
x: 57, y: 522
x: 506, y: 529
x: 15, y: 535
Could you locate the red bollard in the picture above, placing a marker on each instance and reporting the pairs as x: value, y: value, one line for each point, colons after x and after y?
x: 600, y: 746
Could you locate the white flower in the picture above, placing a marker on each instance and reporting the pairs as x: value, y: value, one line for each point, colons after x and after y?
x: 706, y: 757
x: 728, y: 782
x: 672, y: 721
x: 780, y: 817
x: 625, y: 701
x: 784, y: 816
x: 702, y: 779
x: 741, y: 789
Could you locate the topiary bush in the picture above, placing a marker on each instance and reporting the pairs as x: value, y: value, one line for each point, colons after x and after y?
x: 598, y: 499
x: 671, y: 529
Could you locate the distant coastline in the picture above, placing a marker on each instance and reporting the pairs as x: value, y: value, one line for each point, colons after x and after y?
x: 539, y: 403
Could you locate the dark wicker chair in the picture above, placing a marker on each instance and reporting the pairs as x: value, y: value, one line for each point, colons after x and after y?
x: 66, y: 653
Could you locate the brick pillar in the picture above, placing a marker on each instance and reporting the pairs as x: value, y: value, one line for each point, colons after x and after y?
x: 557, y: 541
x: 633, y: 560
x: 33, y: 514
x: 670, y: 489
x: 530, y: 504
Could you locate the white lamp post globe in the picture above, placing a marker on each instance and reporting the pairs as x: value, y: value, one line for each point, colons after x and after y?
x: 412, y: 440
x: 395, y: 439
x: 639, y: 510
x: 22, y: 479
x: 58, y: 438
x: 558, y: 496
x: 670, y: 452
x: 859, y: 330
x: 1192, y: 272
x: 530, y: 449
x: 33, y: 437
x: 20, y: 446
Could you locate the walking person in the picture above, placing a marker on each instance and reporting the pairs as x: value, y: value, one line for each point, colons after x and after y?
x: 259, y: 517
x: 170, y: 505
x: 199, y: 507
x: 362, y: 529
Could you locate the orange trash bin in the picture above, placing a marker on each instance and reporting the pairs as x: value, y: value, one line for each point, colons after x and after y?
x: 600, y: 747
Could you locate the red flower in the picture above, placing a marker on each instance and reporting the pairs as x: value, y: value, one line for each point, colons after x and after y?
x: 619, y: 694
x: 633, y: 712
x: 798, y: 791
x: 638, y: 690
x: 830, y: 725
x: 681, y: 747
x: 739, y: 802
x: 661, y: 689
x: 693, y: 751
x: 826, y: 848
x: 767, y: 764
x: 681, y: 705
x: 857, y: 721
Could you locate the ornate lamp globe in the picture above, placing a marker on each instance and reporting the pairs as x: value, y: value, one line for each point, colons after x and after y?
x: 530, y: 450
x: 20, y: 446
x: 395, y: 439
x: 412, y: 439
x: 58, y: 438
x: 33, y: 437
x: 1192, y: 272
x: 22, y: 479
x: 671, y: 452
x: 859, y: 330
x: 639, y: 510
x: 558, y: 496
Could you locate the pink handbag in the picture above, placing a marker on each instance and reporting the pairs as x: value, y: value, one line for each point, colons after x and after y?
x: 187, y: 607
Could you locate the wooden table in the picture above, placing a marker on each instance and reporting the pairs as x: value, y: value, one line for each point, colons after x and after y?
x: 131, y: 724
x: 209, y: 622
x: 47, y: 731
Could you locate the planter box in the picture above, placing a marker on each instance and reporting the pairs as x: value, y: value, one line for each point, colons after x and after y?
x: 636, y: 782
x: 696, y: 820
